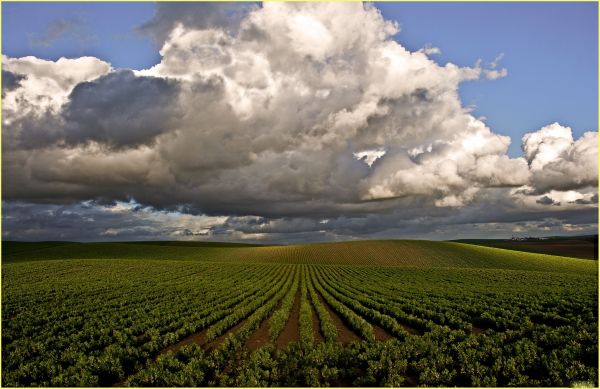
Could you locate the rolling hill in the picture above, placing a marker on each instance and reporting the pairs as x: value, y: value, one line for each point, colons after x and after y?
x: 211, y: 314
x: 584, y: 246
x: 399, y: 253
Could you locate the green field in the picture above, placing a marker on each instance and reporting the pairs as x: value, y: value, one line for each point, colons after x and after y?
x: 368, y: 313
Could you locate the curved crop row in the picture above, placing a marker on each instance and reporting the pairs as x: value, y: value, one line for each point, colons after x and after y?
x: 327, y: 327
x: 219, y: 357
x: 92, y: 331
x: 236, y: 341
x: 306, y: 330
x: 361, y: 306
x: 280, y: 317
x: 356, y: 322
x: 244, y: 309
x: 380, y: 306
x: 353, y: 303
x: 223, y: 305
x: 414, y: 312
x: 204, y: 318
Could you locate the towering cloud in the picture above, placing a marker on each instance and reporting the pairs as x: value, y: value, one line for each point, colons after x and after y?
x: 559, y: 162
x: 291, y: 111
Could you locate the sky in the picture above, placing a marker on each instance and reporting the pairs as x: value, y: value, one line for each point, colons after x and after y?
x: 282, y: 123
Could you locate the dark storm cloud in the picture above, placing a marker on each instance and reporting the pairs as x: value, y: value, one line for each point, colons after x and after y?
x: 34, y: 131
x: 130, y: 221
x: 547, y: 224
x: 90, y: 221
x: 498, y: 206
x: 592, y: 200
x: 22, y: 221
x: 546, y: 200
x: 120, y: 109
x: 415, y: 220
x: 11, y: 81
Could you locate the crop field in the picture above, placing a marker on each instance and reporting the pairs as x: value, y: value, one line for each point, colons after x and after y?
x: 367, y: 313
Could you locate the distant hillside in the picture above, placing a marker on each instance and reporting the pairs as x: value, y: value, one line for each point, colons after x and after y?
x: 24, y: 251
x: 414, y: 253
x: 585, y: 246
x: 193, y: 244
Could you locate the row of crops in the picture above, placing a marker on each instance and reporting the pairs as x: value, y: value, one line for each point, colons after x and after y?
x: 184, y: 323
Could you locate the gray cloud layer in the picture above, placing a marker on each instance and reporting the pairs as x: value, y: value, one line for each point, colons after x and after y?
x: 120, y: 110
x: 10, y: 81
x: 194, y: 16
x: 280, y: 117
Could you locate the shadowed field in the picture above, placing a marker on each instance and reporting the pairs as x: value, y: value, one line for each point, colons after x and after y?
x: 366, y: 253
x: 576, y: 246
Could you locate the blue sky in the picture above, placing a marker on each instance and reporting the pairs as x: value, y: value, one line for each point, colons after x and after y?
x: 550, y: 50
x: 103, y: 30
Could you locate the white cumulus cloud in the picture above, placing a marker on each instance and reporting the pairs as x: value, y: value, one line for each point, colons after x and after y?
x: 289, y: 110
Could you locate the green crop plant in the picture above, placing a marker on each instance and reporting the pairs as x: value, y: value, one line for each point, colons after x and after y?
x: 175, y: 314
x: 306, y: 328
x: 280, y: 317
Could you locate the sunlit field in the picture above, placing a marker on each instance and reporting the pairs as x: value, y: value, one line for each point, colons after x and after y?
x: 401, y: 313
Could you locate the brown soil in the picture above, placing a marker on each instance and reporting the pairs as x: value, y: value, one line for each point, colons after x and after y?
x: 411, y: 381
x: 476, y: 330
x: 345, y: 334
x: 260, y: 337
x: 198, y: 338
x: 291, y: 331
x: 380, y: 333
x: 409, y: 329
x: 316, y: 327
x: 213, y: 344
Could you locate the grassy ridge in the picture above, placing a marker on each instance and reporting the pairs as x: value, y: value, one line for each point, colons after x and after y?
x: 104, y: 251
x: 177, y: 243
x: 400, y: 253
